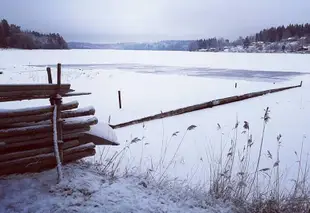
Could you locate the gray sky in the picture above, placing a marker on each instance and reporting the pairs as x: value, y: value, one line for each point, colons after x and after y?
x: 149, y: 20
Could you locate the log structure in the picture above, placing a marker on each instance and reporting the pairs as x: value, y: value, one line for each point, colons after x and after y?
x: 27, y: 135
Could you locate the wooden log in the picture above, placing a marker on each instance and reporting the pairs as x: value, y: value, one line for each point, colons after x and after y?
x: 11, y: 94
x: 28, y: 160
x: 34, y: 152
x: 205, y: 105
x: 40, y: 163
x: 25, y: 130
x: 25, y: 161
x: 70, y: 144
x: 30, y: 145
x: 36, y: 110
x: 79, y: 112
x: 71, y: 94
x: 88, y: 137
x: 80, y: 148
x: 23, y: 121
x: 5, y: 122
x: 79, y: 155
x: 67, y: 125
x: 75, y: 133
x: 38, y: 143
x: 32, y: 87
x: 79, y: 123
x: 33, y: 97
x: 32, y: 137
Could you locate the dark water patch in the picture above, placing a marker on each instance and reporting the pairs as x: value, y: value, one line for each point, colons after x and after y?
x: 250, y: 75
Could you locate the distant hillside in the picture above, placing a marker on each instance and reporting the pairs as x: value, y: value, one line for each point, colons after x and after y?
x: 176, y: 45
x: 11, y: 36
x: 85, y: 45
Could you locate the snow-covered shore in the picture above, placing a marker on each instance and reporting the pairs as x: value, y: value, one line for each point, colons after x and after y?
x: 85, y: 189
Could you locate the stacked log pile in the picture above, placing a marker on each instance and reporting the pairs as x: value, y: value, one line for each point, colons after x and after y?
x: 27, y: 136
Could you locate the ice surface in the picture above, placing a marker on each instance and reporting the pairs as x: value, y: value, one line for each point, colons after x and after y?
x: 146, y: 94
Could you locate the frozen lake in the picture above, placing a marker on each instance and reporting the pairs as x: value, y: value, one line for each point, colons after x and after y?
x: 152, y: 82
x: 258, y: 75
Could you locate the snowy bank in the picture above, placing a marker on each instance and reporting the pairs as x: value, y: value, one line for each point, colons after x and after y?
x: 84, y: 189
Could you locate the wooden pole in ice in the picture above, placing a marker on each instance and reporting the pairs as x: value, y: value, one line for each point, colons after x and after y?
x: 119, y: 99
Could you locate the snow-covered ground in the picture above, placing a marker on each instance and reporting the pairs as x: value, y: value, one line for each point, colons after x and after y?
x: 87, y: 190
x: 150, y: 83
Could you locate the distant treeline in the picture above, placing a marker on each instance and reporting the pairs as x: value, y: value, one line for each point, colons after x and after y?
x: 273, y: 34
x: 277, y: 34
x: 11, y: 36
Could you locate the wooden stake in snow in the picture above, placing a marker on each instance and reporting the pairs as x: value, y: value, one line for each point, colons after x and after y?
x: 56, y: 100
x: 49, y: 75
x: 119, y: 99
x: 55, y: 140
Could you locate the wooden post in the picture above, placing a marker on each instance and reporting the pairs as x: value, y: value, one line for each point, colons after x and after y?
x: 58, y: 102
x: 49, y: 75
x: 119, y: 99
x: 59, y: 74
x: 50, y: 80
x: 236, y: 85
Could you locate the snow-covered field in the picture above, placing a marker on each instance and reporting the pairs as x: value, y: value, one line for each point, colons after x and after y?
x: 150, y: 83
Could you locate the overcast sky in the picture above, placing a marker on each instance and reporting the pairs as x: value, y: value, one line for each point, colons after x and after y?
x: 149, y: 20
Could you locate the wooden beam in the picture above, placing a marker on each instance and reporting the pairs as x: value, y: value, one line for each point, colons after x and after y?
x: 79, y: 155
x: 40, y: 162
x: 25, y: 130
x: 88, y: 137
x: 5, y: 122
x: 35, y: 110
x: 38, y: 151
x: 32, y: 87
x: 79, y: 123
x: 32, y: 137
x: 33, y: 97
x: 67, y: 125
x: 79, y: 112
x: 24, y: 162
x: 205, y: 105
x: 35, y: 144
x: 71, y: 94
x: 80, y: 148
x: 17, y: 94
x: 33, y: 120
